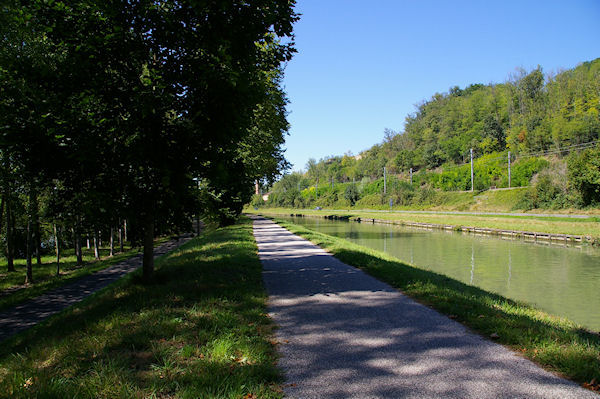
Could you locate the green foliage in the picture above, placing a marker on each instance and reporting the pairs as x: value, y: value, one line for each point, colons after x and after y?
x: 351, y: 194
x: 550, y: 189
x: 141, y: 110
x: 257, y: 201
x: 584, y: 175
x: 530, y: 113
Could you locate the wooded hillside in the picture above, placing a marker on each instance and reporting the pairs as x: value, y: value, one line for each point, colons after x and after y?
x: 541, y: 119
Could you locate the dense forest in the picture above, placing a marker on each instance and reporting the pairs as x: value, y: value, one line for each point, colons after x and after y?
x: 548, y: 125
x: 137, y: 113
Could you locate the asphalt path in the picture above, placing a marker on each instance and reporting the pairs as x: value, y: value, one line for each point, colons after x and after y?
x: 34, y: 311
x: 344, y: 334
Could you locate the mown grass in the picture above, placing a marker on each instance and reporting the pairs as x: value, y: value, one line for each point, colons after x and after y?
x: 555, y: 343
x: 13, y: 290
x: 588, y: 226
x: 199, y: 330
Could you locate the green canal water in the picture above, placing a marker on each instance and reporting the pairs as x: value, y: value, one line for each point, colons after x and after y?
x: 562, y: 280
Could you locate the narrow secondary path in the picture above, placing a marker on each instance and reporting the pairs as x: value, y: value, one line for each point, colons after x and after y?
x: 344, y: 334
x: 34, y: 311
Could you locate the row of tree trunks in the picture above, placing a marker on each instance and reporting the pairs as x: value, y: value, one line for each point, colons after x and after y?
x: 33, y: 241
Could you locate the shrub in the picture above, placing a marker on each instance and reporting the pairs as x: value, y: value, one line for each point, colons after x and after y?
x: 351, y: 194
x: 584, y: 175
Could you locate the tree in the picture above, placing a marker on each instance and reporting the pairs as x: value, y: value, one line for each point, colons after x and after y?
x: 584, y: 175
x: 351, y: 194
x: 143, y: 97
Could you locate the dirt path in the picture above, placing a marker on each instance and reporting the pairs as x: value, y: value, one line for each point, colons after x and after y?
x: 344, y: 334
x: 34, y: 311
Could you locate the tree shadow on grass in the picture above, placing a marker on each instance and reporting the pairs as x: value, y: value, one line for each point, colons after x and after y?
x: 130, y: 338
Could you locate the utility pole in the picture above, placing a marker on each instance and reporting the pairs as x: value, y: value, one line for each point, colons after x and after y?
x: 472, y: 185
x: 384, y: 182
x: 410, y: 175
x: 509, y: 169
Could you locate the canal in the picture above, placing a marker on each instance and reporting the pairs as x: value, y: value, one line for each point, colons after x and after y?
x: 562, y: 280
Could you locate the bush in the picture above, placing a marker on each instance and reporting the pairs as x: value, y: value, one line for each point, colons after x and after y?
x: 549, y: 190
x: 257, y: 201
x: 584, y: 175
x: 351, y: 194
x: 371, y: 200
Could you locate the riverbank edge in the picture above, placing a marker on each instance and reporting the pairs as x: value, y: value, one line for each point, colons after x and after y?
x: 557, y: 344
x: 526, y: 235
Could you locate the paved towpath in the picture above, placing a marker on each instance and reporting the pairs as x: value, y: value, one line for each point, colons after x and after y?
x: 344, y: 334
x: 34, y: 311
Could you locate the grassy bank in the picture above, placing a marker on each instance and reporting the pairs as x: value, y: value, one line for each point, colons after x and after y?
x: 584, y: 227
x: 13, y: 290
x: 198, y: 331
x: 557, y: 344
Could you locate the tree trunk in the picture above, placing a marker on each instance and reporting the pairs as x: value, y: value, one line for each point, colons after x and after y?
x: 96, y: 253
x: 88, y: 242
x: 37, y: 242
x: 2, y: 203
x: 78, y: 252
x: 125, y: 230
x: 74, y: 240
x: 10, y: 251
x: 120, y: 240
x: 29, y: 274
x: 112, y: 242
x: 36, y: 226
x: 56, y: 247
x: 148, y: 263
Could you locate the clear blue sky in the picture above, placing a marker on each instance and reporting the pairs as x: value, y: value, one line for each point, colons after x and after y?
x: 362, y: 65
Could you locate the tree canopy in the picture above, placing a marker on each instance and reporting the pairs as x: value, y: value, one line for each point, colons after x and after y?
x: 144, y: 110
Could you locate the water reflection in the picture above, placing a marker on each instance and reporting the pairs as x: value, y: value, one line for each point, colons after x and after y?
x: 560, y: 279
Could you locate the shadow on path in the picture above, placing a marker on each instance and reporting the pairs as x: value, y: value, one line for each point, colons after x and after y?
x: 344, y: 334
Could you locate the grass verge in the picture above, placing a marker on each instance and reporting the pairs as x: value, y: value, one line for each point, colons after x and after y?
x: 13, y: 290
x: 199, y: 330
x: 584, y: 227
x: 557, y: 344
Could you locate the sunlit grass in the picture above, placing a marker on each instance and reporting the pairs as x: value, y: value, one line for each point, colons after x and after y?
x: 556, y: 343
x: 199, y: 330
